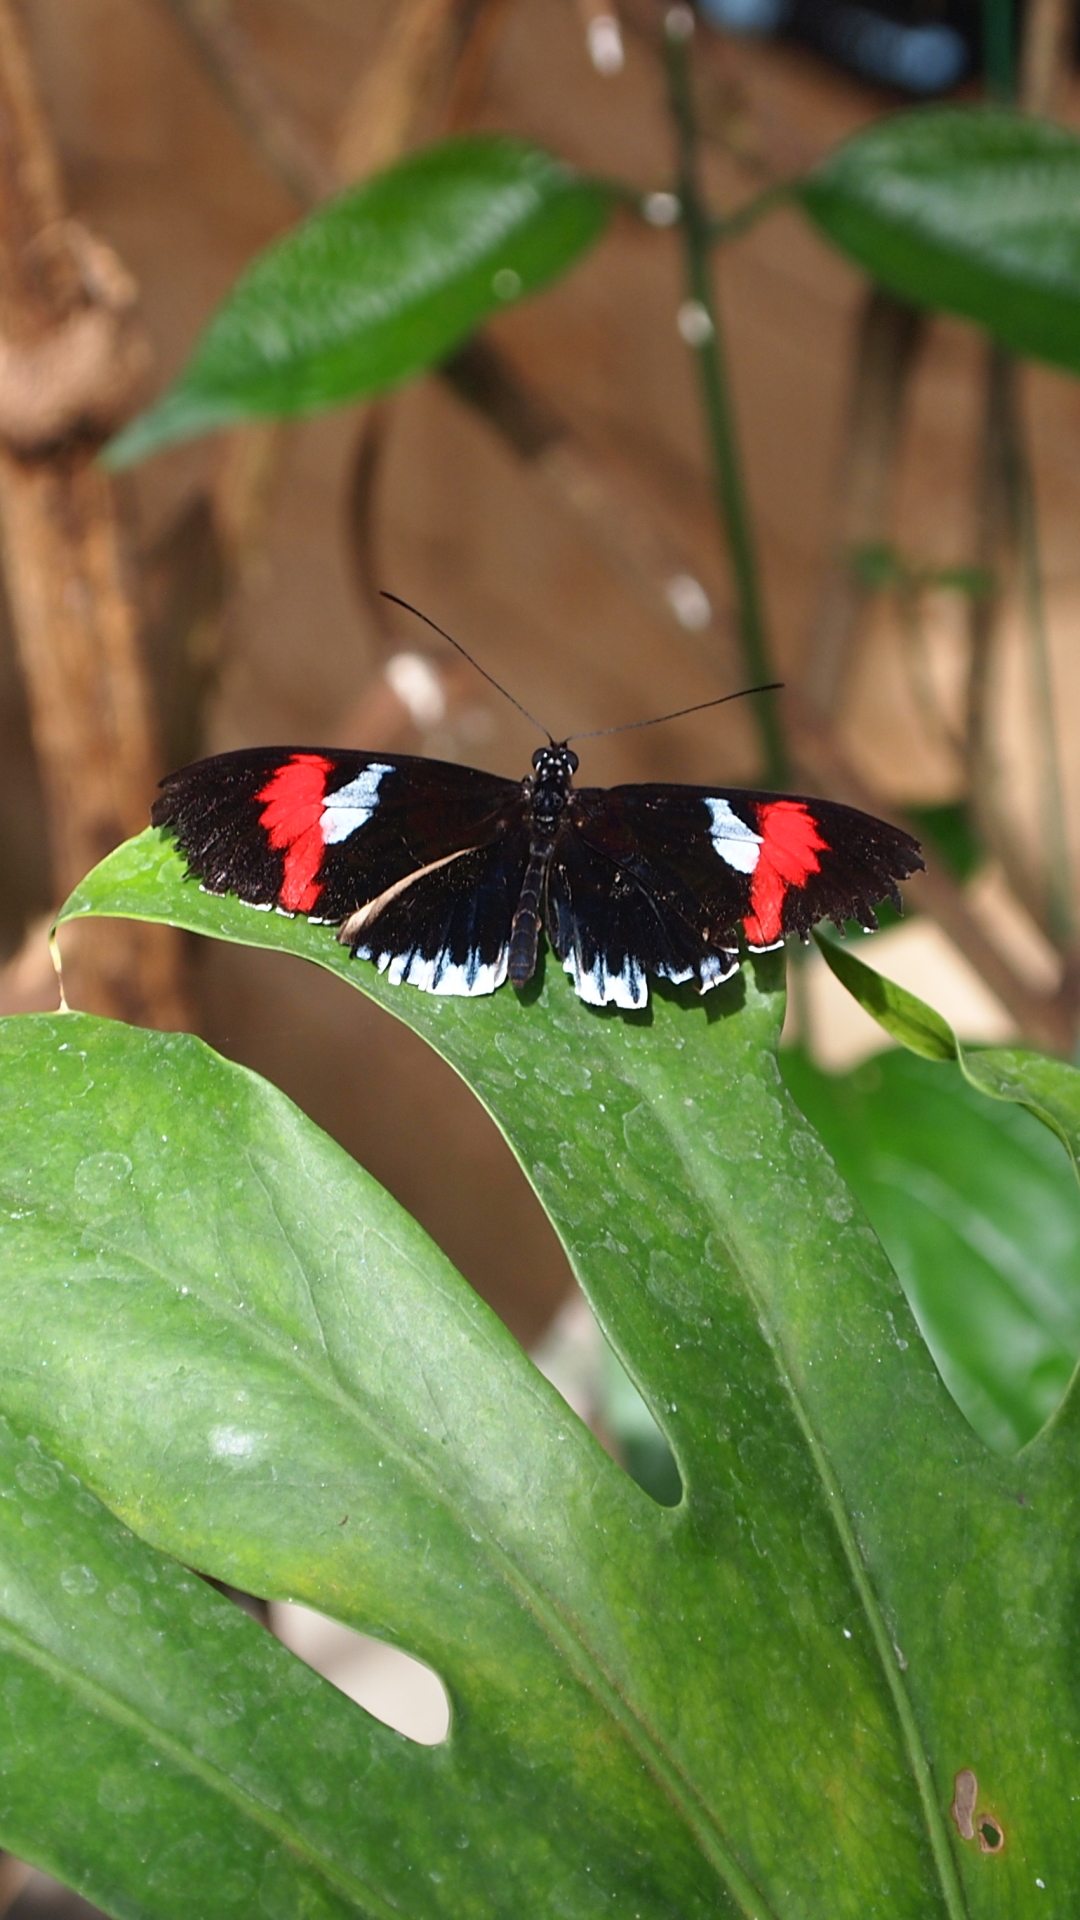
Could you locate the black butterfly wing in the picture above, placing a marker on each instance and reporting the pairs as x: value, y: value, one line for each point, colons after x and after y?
x: 611, y: 928
x: 415, y: 858
x: 448, y: 929
x: 711, y: 864
x: 421, y: 863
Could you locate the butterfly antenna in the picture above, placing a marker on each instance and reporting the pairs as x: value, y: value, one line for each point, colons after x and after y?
x: 772, y: 686
x: 490, y: 678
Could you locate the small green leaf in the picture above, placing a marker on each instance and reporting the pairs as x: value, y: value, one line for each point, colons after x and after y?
x: 979, y: 1213
x: 908, y: 1019
x: 1048, y: 1088
x: 877, y: 566
x: 377, y: 285
x: 967, y: 210
x: 951, y: 832
x: 975, y: 582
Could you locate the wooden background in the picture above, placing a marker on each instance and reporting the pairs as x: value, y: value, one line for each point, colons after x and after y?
x: 247, y: 548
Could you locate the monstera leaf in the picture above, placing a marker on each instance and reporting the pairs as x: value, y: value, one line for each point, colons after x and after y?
x: 835, y: 1679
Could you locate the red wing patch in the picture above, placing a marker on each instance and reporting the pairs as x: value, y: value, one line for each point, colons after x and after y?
x: 790, y: 844
x: 292, y: 817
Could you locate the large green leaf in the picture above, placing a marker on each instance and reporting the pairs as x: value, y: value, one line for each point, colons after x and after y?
x: 755, y: 1703
x: 979, y: 1212
x: 377, y: 285
x: 970, y: 210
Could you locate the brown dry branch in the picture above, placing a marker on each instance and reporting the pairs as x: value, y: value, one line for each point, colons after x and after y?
x: 643, y: 542
x: 226, y: 53
x: 473, y: 63
x: 995, y: 555
x: 1044, y: 51
x: 889, y: 335
x: 67, y: 356
x: 420, y: 44
x: 1006, y: 548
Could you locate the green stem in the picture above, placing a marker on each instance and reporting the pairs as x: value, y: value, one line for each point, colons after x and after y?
x: 704, y: 338
x: 730, y: 226
x: 999, y: 49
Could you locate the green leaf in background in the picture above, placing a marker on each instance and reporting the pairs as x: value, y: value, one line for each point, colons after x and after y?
x: 1048, y: 1088
x: 979, y: 1212
x: 901, y: 1013
x: 377, y: 285
x: 952, y: 833
x: 754, y: 1703
x: 967, y: 210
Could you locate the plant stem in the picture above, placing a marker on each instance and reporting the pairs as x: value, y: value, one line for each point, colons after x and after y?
x: 999, y: 49
x: 704, y: 338
x: 730, y: 226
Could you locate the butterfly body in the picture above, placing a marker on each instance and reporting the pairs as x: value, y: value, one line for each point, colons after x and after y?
x: 446, y: 877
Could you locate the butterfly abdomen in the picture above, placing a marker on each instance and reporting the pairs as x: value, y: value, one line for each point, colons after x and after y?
x: 548, y: 795
x: 525, y: 926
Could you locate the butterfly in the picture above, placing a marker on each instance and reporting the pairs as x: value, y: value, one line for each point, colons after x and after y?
x: 447, y: 878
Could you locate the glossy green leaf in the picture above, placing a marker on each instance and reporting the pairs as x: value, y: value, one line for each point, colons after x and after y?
x: 967, y: 210
x: 1048, y: 1088
x: 144, y: 1719
x: 755, y: 1703
x: 904, y: 1016
x: 377, y: 285
x: 979, y: 1212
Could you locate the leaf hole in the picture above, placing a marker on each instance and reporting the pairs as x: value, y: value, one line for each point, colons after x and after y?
x: 991, y: 1837
x: 580, y: 1365
x: 392, y: 1686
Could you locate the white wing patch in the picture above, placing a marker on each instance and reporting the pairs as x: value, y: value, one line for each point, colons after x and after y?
x: 599, y: 988
x: 440, y: 974
x: 733, y: 840
x: 352, y: 806
x: 718, y: 967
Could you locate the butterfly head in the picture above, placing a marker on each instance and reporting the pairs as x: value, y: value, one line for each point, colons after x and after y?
x: 555, y: 763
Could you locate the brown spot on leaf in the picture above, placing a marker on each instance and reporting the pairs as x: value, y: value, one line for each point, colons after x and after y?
x: 965, y: 1794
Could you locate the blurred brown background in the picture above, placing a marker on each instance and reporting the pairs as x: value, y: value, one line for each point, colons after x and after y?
x: 573, y: 548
